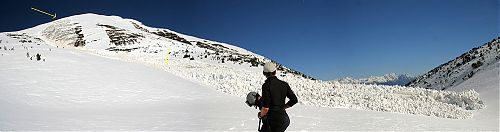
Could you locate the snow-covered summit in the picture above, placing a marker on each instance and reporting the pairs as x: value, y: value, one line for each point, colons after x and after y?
x: 387, y: 79
x: 113, y: 33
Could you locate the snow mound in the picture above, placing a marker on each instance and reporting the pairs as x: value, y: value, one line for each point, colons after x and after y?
x: 399, y: 99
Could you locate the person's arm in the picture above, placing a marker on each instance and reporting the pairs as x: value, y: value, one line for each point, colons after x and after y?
x: 293, y: 98
x: 266, y: 100
x: 263, y: 112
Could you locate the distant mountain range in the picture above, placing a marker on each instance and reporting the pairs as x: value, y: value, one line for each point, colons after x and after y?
x: 445, y: 75
x: 387, y: 79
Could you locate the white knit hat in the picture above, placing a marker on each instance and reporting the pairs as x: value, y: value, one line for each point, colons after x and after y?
x: 269, y: 67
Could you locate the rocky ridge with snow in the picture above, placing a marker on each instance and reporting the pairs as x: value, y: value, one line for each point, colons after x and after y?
x: 458, y: 70
x: 129, y: 35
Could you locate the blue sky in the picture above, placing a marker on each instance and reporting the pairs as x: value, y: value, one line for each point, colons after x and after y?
x: 326, y: 39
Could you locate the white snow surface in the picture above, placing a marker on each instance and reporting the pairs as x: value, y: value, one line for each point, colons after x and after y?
x: 487, y: 84
x: 78, y: 89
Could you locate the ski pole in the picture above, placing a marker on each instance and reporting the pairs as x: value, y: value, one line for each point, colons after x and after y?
x: 258, y: 128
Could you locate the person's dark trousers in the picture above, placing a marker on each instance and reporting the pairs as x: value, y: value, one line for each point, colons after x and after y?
x: 278, y: 121
x: 286, y: 120
x: 265, y: 126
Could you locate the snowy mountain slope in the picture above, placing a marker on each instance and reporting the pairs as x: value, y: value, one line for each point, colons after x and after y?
x: 73, y: 90
x: 487, y: 83
x: 461, y: 68
x: 226, y: 69
x: 387, y: 79
x: 112, y: 33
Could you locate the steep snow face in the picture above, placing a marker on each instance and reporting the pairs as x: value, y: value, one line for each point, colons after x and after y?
x: 387, y: 79
x: 64, y: 33
x: 231, y: 70
x: 461, y: 68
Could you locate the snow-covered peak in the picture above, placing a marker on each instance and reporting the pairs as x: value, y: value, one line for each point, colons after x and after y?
x: 113, y: 33
x: 85, y: 19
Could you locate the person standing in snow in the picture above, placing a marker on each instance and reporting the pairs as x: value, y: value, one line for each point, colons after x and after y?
x: 274, y: 92
x: 255, y: 100
x: 38, y: 57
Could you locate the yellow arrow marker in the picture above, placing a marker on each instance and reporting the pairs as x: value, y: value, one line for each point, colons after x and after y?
x: 166, y: 56
x: 53, y: 16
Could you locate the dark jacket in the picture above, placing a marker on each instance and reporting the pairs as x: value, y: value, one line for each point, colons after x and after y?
x: 274, y: 92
